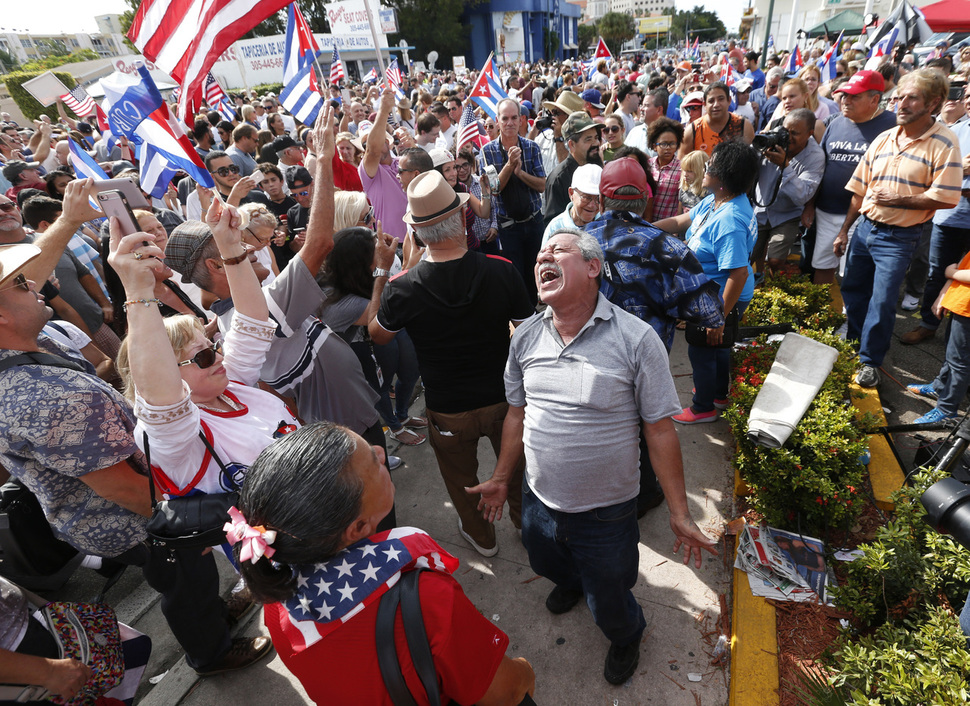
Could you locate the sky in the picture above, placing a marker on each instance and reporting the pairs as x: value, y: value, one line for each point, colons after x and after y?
x: 68, y: 16
x: 74, y: 16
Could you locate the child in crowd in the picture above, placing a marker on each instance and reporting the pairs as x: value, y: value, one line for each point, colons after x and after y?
x: 691, y: 175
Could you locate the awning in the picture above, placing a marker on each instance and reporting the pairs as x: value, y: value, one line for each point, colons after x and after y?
x: 848, y: 21
x: 948, y: 16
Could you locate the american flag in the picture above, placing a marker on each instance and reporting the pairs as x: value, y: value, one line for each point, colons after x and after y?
x: 336, y: 67
x: 331, y: 593
x: 80, y: 102
x: 217, y: 98
x: 186, y: 37
x: 393, y: 73
x: 470, y: 129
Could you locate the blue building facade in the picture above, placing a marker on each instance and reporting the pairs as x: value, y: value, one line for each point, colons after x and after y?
x: 524, y: 25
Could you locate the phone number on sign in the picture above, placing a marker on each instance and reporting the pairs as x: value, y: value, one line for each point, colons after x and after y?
x: 276, y: 63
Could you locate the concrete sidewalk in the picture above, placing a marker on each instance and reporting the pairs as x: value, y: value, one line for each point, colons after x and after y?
x: 681, y: 604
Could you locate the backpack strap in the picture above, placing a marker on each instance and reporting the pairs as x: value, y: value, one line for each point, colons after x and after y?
x: 37, y: 358
x: 417, y: 636
x: 387, y: 657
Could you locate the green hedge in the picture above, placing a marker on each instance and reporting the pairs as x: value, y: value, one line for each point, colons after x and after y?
x: 26, y: 102
x: 264, y: 88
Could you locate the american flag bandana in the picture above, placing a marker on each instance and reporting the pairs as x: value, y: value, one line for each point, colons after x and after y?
x: 331, y: 593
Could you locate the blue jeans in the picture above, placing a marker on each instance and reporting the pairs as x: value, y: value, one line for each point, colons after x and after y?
x: 947, y: 246
x: 396, y: 358
x: 874, y: 269
x: 954, y: 379
x: 595, y: 552
x: 711, y: 368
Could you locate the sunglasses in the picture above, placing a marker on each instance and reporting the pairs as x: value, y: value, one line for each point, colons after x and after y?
x: 401, y: 171
x: 205, y: 358
x: 8, y: 207
x: 226, y: 171
x: 612, y: 128
x: 368, y: 217
x: 18, y: 281
x: 305, y: 192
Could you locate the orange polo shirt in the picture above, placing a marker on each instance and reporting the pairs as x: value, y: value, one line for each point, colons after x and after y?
x: 930, y: 164
x: 957, y: 297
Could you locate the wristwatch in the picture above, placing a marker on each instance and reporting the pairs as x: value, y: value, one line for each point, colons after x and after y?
x: 380, y: 272
x: 559, y: 139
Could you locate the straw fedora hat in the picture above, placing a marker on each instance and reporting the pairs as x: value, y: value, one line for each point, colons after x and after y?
x: 431, y: 200
x: 568, y: 102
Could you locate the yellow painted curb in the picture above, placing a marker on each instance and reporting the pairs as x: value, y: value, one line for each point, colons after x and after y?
x: 741, y: 489
x: 754, y: 647
x: 884, y: 472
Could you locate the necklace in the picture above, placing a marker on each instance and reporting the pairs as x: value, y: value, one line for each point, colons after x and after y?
x: 233, y: 407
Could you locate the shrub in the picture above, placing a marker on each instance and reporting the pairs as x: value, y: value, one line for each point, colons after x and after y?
x: 792, y: 299
x: 264, y: 88
x: 26, y: 102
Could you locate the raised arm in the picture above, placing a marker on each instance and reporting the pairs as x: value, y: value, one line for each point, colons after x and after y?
x: 319, y: 234
x: 76, y: 212
x: 375, y: 148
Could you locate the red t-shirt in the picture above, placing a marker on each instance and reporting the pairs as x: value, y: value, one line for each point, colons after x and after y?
x: 342, y: 668
x: 345, y: 176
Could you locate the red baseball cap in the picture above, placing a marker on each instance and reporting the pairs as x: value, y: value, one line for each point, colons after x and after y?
x: 625, y: 171
x: 861, y: 82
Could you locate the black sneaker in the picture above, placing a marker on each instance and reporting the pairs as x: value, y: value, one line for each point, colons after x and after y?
x: 621, y: 662
x: 562, y: 600
x: 245, y: 651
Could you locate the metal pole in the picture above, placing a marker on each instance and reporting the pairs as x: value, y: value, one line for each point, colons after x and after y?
x: 377, y: 45
x: 792, y: 37
x: 764, y: 46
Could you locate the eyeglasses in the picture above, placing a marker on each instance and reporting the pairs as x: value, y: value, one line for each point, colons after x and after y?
x: 462, y: 165
x: 205, y: 358
x: 8, y: 207
x: 666, y: 145
x: 305, y: 192
x: 612, y: 128
x: 226, y: 171
x: 586, y: 198
x: 18, y: 281
x: 258, y: 239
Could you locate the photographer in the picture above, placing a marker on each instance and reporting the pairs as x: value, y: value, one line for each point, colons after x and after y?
x: 793, y: 157
x: 547, y: 130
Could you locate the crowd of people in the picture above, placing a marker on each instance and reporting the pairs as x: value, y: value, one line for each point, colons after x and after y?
x: 268, y: 335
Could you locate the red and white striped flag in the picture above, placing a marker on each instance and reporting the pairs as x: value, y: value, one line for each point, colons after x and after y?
x: 470, y: 129
x: 217, y: 98
x: 186, y: 37
x: 80, y: 102
x: 336, y: 67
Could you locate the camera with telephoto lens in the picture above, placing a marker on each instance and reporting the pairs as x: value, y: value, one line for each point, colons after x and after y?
x: 764, y: 141
x: 545, y: 122
x: 947, y: 502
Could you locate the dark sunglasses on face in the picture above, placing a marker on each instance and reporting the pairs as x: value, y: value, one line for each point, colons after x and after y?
x: 368, y: 217
x: 8, y: 207
x: 226, y: 171
x: 305, y: 192
x: 612, y: 128
x: 205, y: 358
x: 18, y: 281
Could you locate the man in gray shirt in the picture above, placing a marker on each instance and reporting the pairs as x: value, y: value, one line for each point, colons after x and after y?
x: 801, y: 167
x: 580, y: 381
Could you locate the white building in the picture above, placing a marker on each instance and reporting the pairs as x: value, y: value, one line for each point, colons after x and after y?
x: 27, y: 46
x: 641, y: 8
x: 596, y: 9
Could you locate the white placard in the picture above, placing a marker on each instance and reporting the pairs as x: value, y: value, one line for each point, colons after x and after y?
x: 349, y: 17
x: 459, y: 63
x: 46, y: 88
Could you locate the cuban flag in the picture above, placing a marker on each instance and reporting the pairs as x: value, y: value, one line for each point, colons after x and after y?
x: 695, y: 52
x: 301, y: 89
x: 885, y: 45
x: 84, y: 165
x: 795, y: 62
x: 771, y: 45
x: 827, y: 64
x: 333, y: 592
x: 487, y: 91
x: 728, y: 75
x: 371, y: 76
x: 135, y: 109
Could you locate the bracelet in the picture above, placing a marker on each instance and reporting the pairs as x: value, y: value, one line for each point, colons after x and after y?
x: 146, y: 302
x: 235, y: 260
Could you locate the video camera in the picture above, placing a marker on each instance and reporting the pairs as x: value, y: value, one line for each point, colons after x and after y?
x: 545, y: 122
x: 764, y: 141
x: 947, y: 502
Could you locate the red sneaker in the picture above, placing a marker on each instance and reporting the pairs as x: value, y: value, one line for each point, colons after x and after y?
x: 689, y: 416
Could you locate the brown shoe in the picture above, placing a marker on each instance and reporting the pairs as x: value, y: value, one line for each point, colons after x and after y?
x: 244, y: 652
x: 239, y: 603
x: 917, y: 335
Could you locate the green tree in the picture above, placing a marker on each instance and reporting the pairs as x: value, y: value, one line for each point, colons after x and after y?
x: 54, y: 60
x: 432, y: 25
x: 616, y: 28
x: 314, y: 12
x: 51, y: 47
x: 8, y: 61
x: 694, y: 20
x: 586, y: 37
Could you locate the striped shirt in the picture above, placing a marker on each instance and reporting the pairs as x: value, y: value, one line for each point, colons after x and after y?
x: 929, y: 164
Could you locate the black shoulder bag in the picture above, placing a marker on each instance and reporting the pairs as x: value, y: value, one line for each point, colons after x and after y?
x: 406, y: 594
x: 193, y: 521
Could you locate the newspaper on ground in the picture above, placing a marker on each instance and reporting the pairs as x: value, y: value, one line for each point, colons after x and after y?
x: 783, y: 566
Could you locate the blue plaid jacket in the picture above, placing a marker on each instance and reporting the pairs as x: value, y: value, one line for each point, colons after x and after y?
x: 493, y: 153
x: 654, y: 276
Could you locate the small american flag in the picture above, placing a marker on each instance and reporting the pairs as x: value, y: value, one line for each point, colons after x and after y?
x: 217, y: 98
x: 393, y: 73
x: 80, y: 102
x: 336, y: 68
x: 470, y: 130
x: 331, y: 593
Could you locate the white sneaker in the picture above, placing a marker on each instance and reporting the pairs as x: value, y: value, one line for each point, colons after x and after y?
x: 910, y: 303
x: 477, y: 547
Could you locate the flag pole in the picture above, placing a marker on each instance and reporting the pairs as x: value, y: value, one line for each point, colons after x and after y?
x: 377, y: 45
